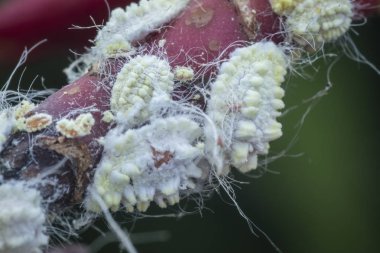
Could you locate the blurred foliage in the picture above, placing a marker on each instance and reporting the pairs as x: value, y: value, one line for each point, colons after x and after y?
x: 322, y: 196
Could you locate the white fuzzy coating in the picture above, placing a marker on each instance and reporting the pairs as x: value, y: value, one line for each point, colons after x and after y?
x: 153, y: 163
x: 20, y: 111
x: 142, y: 82
x: 21, y: 219
x: 314, y: 22
x: 108, y: 116
x: 78, y: 127
x: 7, y: 122
x: 183, y: 73
x: 282, y: 7
x: 37, y: 122
x: 23, y: 108
x: 116, y: 44
x: 136, y: 22
x: 124, y: 27
x: 245, y: 100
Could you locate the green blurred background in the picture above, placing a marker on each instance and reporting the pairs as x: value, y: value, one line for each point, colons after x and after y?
x: 322, y: 196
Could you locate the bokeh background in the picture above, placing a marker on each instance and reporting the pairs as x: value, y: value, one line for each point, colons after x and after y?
x: 322, y: 195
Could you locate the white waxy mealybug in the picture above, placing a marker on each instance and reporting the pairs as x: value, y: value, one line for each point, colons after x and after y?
x: 311, y: 23
x: 244, y: 103
x: 141, y: 82
x: 22, y: 219
x: 153, y: 163
x: 78, y: 127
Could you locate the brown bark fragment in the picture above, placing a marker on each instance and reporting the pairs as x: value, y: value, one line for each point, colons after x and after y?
x: 52, y: 174
x: 247, y: 17
x: 79, y: 154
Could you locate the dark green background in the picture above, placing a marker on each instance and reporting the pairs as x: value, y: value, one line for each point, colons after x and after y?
x: 321, y: 197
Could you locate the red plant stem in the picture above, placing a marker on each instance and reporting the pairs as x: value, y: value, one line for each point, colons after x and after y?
x: 210, y: 29
x: 89, y: 91
x: 205, y: 32
x: 36, y: 151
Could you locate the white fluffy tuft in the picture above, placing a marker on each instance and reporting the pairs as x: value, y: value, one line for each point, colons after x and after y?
x: 21, y: 219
